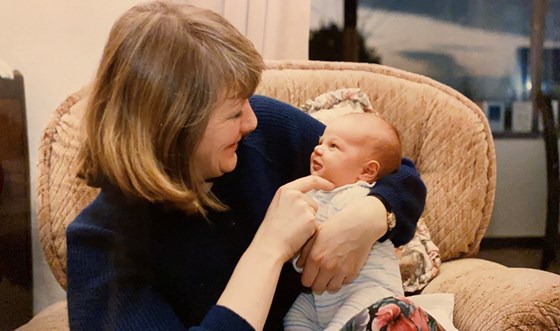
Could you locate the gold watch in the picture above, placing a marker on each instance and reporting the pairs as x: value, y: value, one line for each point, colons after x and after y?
x: 391, y: 221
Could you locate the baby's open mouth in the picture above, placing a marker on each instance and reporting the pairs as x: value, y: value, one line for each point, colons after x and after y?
x: 315, y: 165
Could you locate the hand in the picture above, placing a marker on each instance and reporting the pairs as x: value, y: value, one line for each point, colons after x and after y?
x: 290, y: 219
x: 340, y: 247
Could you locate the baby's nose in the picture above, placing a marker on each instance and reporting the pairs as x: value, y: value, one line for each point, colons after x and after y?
x: 318, y: 149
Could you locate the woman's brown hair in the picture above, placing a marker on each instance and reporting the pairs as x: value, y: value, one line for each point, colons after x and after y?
x: 164, y: 69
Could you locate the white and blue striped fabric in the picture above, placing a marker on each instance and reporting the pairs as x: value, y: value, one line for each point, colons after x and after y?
x: 379, y: 278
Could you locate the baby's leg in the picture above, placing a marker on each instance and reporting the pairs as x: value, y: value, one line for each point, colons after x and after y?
x: 302, y: 315
x: 361, y: 298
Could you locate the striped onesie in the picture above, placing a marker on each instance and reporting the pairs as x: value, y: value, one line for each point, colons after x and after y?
x: 379, y: 278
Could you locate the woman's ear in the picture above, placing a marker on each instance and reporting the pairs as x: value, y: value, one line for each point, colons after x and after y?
x: 370, y: 171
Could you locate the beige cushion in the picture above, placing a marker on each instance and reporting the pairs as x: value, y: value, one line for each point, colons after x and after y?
x: 490, y: 296
x: 53, y: 318
x: 60, y: 194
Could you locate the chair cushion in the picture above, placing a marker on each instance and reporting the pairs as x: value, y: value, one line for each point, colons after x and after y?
x: 52, y: 318
x: 60, y: 194
x: 490, y: 296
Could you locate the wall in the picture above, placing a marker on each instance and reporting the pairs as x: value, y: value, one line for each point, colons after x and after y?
x: 520, y: 205
x: 56, y: 45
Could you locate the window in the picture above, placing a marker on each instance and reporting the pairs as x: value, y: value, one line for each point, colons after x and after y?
x: 478, y: 47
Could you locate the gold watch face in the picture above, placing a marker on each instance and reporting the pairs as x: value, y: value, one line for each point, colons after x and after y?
x: 391, y: 220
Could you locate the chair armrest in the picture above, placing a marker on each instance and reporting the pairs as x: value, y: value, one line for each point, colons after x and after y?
x: 52, y: 318
x: 490, y: 296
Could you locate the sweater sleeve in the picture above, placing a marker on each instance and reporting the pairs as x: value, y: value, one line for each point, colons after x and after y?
x: 110, y: 286
x: 404, y: 193
x: 289, y: 136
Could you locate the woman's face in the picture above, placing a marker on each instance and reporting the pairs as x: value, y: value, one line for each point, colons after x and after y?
x: 230, y: 121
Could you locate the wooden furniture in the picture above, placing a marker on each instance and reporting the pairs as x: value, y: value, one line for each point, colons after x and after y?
x: 542, y: 105
x: 16, y: 297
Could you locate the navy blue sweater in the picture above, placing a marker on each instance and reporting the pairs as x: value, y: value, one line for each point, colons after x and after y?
x: 133, y: 265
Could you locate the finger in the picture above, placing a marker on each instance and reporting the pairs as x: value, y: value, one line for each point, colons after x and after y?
x: 308, y: 183
x: 309, y: 274
x: 311, y: 202
x: 351, y: 276
x: 305, y: 252
x: 321, y: 281
x: 335, y: 283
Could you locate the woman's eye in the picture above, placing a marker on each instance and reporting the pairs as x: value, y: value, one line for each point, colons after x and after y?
x: 238, y: 114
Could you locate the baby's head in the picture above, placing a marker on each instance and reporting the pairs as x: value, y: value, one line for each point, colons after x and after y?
x: 357, y: 146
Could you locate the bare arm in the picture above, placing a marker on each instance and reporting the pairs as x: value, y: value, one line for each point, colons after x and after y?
x: 288, y: 224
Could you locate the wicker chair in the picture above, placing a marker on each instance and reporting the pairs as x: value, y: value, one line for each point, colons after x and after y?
x: 442, y: 131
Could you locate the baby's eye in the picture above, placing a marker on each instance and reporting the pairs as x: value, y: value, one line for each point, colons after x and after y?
x: 333, y: 145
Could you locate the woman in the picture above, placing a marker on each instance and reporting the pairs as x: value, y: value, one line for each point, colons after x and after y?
x: 193, y: 223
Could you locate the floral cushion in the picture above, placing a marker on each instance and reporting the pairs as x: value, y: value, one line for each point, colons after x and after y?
x: 392, y: 313
x: 419, y: 260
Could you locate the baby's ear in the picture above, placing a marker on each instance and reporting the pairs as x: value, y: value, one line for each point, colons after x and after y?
x: 370, y: 171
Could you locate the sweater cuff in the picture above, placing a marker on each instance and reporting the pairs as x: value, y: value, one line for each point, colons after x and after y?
x: 222, y: 318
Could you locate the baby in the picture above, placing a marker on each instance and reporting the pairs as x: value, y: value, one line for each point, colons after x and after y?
x: 355, y: 150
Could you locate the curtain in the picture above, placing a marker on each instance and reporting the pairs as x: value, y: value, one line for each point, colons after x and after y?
x: 279, y: 29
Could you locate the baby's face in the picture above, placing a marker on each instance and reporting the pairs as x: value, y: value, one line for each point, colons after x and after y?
x: 341, y: 154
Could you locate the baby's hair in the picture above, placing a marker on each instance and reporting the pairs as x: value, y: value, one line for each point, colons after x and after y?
x: 385, y: 143
x: 392, y: 151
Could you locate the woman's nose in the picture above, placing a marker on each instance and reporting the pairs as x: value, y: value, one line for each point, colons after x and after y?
x: 248, y: 119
